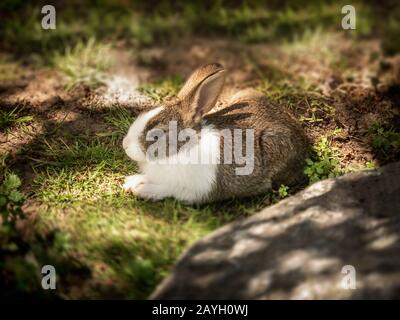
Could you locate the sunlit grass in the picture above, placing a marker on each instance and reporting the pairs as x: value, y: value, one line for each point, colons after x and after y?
x: 162, y: 88
x: 80, y: 169
x: 123, y: 240
x: 120, y: 119
x: 131, y: 245
x: 128, y: 244
x: 85, y: 63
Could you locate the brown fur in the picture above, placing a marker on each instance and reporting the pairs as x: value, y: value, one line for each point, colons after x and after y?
x: 280, y: 148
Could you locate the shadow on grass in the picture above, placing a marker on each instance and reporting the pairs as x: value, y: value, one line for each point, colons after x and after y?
x: 135, y: 265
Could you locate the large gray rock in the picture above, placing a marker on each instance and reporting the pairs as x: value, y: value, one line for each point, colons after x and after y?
x: 297, y: 248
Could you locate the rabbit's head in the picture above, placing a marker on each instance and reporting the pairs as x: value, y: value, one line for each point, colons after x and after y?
x: 196, y: 98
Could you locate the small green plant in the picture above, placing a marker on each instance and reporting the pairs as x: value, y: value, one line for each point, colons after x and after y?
x: 283, y: 191
x: 84, y: 63
x: 370, y: 165
x: 11, y: 200
x: 279, y: 194
x: 13, y: 268
x: 324, y: 162
x: 10, y: 118
x: 385, y: 141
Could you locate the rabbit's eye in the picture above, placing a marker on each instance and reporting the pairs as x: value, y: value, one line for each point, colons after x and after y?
x: 185, y: 139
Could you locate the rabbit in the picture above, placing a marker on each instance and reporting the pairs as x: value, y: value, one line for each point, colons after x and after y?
x: 279, y: 144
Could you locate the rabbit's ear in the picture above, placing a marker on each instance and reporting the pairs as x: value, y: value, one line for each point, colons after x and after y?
x: 197, y: 77
x: 202, y: 97
x: 207, y: 93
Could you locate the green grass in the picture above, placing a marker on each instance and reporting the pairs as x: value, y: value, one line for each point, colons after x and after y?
x: 13, y: 118
x: 10, y: 196
x: 163, y: 88
x: 128, y: 244
x: 135, y: 242
x: 76, y: 170
x: 141, y: 24
x: 85, y: 63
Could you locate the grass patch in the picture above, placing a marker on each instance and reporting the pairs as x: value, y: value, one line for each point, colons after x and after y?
x: 163, y: 88
x: 85, y: 63
x: 120, y: 120
x: 13, y: 118
x: 129, y: 247
x: 80, y: 169
x: 128, y: 244
x: 141, y: 24
x: 304, y: 100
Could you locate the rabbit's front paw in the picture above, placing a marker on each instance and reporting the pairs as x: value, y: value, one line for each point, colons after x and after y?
x: 139, y: 186
x: 150, y: 191
x: 133, y: 182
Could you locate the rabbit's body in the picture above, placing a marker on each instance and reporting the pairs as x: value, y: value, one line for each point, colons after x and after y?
x: 279, y: 145
x: 279, y: 153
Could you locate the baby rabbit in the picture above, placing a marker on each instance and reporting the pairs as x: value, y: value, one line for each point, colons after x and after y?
x: 275, y: 144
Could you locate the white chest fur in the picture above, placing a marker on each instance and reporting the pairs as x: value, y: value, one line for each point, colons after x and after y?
x: 178, y: 176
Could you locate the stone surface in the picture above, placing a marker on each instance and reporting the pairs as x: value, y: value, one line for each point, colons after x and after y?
x: 297, y: 248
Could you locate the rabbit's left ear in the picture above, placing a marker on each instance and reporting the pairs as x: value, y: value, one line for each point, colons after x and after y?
x: 206, y: 94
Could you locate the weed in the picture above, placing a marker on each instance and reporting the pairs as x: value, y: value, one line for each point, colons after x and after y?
x: 11, y: 200
x: 370, y: 165
x: 385, y: 140
x: 324, y: 163
x: 281, y: 193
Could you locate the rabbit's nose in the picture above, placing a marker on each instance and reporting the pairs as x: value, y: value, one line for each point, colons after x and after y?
x: 125, y: 143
